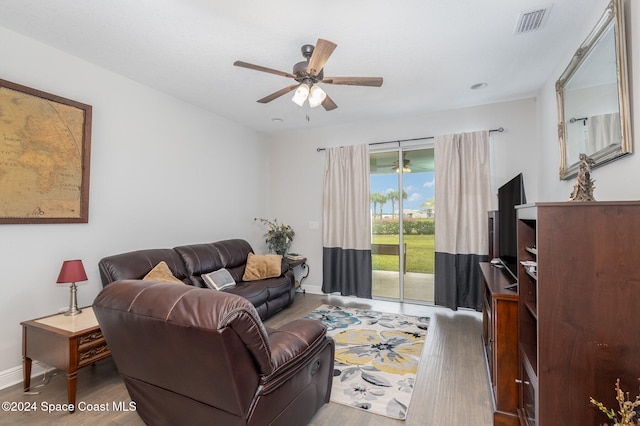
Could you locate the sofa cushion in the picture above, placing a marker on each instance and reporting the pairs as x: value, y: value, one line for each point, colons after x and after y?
x: 263, y: 291
x: 219, y: 280
x: 135, y: 265
x: 200, y: 258
x: 263, y: 266
x: 233, y: 253
x: 162, y: 273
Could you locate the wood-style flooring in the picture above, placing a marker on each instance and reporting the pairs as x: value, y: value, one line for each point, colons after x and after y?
x: 451, y: 386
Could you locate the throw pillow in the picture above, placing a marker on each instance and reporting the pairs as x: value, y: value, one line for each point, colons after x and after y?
x: 162, y: 273
x: 219, y: 280
x: 262, y: 266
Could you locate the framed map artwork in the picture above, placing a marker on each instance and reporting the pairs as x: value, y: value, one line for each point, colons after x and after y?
x: 45, y: 149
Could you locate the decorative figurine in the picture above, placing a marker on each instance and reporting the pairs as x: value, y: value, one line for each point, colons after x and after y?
x: 583, y: 188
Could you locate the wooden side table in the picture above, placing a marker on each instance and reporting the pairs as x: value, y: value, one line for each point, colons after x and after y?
x: 301, y: 262
x: 64, y: 342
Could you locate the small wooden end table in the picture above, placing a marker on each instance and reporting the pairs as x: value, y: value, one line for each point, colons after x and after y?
x: 301, y: 262
x: 64, y: 342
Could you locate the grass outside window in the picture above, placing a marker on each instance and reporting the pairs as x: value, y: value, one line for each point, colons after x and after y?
x: 420, y: 253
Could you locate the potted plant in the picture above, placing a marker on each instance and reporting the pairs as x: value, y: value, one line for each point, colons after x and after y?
x: 627, y: 408
x: 278, y: 236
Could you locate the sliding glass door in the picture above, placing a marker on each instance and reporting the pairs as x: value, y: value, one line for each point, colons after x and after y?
x: 403, y: 227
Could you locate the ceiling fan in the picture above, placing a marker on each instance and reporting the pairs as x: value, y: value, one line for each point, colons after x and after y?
x: 405, y: 165
x: 394, y: 165
x: 308, y: 74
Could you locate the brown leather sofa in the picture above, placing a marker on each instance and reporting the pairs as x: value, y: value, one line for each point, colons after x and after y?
x: 192, y: 356
x: 189, y: 262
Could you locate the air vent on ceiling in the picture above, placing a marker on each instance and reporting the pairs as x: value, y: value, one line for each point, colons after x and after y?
x: 532, y: 20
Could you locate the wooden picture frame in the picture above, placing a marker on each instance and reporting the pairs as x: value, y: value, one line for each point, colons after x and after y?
x: 45, y: 151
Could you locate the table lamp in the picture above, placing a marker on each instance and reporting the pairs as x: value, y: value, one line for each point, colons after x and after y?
x: 72, y: 271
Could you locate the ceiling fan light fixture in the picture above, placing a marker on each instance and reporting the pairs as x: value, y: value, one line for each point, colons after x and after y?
x: 316, y: 96
x: 301, y: 94
x: 308, y: 72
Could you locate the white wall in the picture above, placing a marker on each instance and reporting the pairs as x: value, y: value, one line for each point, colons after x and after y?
x: 163, y: 173
x: 614, y: 181
x: 297, y: 167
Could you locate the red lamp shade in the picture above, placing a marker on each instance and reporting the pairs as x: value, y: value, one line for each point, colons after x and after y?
x: 72, y: 271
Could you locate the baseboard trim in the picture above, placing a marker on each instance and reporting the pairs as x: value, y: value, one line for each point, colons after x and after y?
x: 310, y: 288
x: 13, y: 376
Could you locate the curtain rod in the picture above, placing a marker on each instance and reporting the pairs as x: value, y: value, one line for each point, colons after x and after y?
x: 499, y: 129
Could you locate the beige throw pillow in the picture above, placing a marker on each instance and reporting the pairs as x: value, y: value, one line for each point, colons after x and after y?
x: 161, y: 272
x: 262, y: 266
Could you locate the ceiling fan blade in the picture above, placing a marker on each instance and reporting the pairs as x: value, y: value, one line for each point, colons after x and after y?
x: 354, y: 81
x: 328, y: 104
x: 263, y: 69
x: 320, y: 55
x: 277, y: 94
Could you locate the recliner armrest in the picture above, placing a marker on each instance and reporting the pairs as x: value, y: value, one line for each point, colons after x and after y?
x: 293, y: 344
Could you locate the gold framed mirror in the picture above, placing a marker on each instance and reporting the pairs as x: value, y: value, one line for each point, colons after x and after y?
x: 593, y: 97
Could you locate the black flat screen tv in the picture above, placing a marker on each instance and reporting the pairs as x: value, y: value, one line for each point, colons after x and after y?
x: 510, y: 195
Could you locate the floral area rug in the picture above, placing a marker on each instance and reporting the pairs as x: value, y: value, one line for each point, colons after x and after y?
x: 377, y: 356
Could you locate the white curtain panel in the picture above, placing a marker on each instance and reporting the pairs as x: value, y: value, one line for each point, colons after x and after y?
x: 463, y: 198
x: 603, y: 130
x: 346, y: 230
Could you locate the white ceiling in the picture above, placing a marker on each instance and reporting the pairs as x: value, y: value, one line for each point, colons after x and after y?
x: 429, y: 52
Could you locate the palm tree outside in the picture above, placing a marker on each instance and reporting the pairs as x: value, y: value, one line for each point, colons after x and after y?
x: 394, y: 197
x: 378, y: 199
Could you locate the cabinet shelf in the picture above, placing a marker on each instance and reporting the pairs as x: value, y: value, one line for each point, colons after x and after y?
x: 529, y: 358
x: 532, y: 274
x: 532, y: 309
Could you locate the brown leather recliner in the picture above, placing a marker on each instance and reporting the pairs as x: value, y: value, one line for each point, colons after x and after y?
x: 196, y: 356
